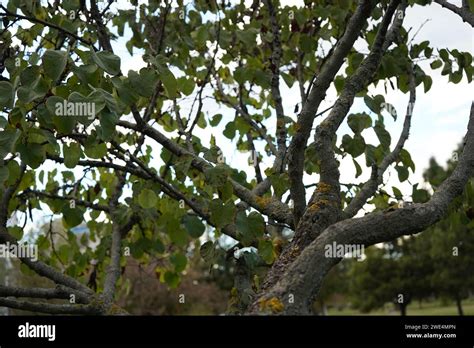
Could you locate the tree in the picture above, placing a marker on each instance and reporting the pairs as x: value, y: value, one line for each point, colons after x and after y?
x: 452, y: 242
x: 436, y: 262
x: 150, y: 184
x: 398, y: 273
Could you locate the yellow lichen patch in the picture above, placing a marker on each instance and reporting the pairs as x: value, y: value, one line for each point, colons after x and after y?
x: 263, y: 201
x: 273, y: 304
x: 323, y: 188
x: 295, y: 251
x: 116, y: 310
x: 325, y: 124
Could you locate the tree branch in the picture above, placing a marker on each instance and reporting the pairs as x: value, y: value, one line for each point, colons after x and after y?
x: 281, y: 133
x: 463, y: 12
x: 60, y: 292
x: 46, y: 24
x: 113, y: 272
x: 370, y: 187
x: 304, y: 277
x: 48, y: 308
x: 317, y: 94
x: 273, y: 208
x: 77, y: 201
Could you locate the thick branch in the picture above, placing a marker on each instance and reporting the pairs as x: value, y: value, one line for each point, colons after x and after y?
x: 60, y: 292
x: 304, y: 277
x: 463, y: 12
x: 48, y: 308
x: 317, y: 94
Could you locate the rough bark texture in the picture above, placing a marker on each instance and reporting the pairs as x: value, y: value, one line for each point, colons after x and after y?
x: 304, y: 276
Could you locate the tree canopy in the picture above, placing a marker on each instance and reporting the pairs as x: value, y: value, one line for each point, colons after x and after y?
x: 140, y: 155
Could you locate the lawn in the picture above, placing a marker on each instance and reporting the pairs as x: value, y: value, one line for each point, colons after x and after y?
x: 427, y: 308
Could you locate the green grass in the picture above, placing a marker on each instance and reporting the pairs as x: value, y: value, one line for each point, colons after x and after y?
x: 427, y: 308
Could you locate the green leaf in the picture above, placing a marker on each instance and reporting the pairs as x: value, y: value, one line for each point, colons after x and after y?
x: 179, y: 261
x: 229, y: 131
x: 455, y: 77
x: 354, y: 146
x: 32, y: 154
x: 208, y: 252
x: 266, y: 252
x: 359, y: 122
x: 391, y: 110
x: 16, y: 232
x: 221, y: 214
x: 436, y: 64
x: 143, y: 83
x: 280, y: 183
x: 217, y: 176
x: 289, y: 80
x: 397, y: 193
x: 125, y: 91
x: 94, y: 150
x: 172, y: 279
x: 178, y: 236
x: 13, y: 172
x: 54, y: 63
x: 147, y: 198
x: 107, y: 61
x: 427, y: 83
x: 358, y: 168
x: 215, y: 120
x: 370, y: 159
x: 193, y: 225
x: 72, y: 216
x: 72, y: 154
x: 6, y: 94
x: 8, y: 138
x: 383, y: 135
x: 186, y: 85
x: 402, y: 173
x: 248, y: 36
x: 250, y: 227
x: 420, y: 195
x: 33, y: 91
x: 375, y: 104
x: 169, y: 81
x: 406, y: 159
x: 108, y: 121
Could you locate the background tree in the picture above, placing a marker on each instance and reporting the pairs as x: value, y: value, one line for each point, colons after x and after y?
x: 150, y: 185
x: 399, y: 273
x: 452, y: 241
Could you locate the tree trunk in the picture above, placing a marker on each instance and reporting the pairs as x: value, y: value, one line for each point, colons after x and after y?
x: 403, y: 309
x: 459, y: 305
